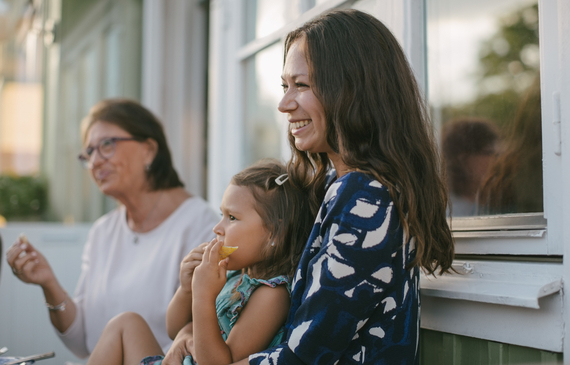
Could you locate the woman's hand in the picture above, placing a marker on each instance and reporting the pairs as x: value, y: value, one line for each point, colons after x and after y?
x: 28, y: 264
x: 189, y: 264
x: 210, y: 275
x: 182, y: 346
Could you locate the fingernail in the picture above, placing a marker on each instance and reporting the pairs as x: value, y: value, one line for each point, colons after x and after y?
x: 34, y: 253
x: 23, y: 246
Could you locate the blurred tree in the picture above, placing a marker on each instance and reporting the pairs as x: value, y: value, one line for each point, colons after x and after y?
x: 508, y: 65
x: 22, y: 197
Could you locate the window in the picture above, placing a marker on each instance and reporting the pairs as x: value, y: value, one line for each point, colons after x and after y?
x: 485, y: 96
x: 22, y: 188
x: 478, y: 60
x: 484, y: 93
x: 263, y: 122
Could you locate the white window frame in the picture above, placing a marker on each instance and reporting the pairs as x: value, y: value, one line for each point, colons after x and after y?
x: 174, y: 81
x: 490, y: 297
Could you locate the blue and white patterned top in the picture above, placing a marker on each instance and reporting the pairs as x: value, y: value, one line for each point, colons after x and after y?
x: 354, y: 301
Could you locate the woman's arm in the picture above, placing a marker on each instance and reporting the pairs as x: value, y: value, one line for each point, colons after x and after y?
x: 182, y: 346
x: 179, y: 312
x: 31, y: 267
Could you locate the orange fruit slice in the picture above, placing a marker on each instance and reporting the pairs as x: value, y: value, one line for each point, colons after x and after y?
x: 225, y: 251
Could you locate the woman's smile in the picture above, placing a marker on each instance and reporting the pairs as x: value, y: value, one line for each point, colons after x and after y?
x: 299, y: 126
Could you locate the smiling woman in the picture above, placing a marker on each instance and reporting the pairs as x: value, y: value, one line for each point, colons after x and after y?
x: 304, y: 111
x: 353, y: 104
x: 135, y: 249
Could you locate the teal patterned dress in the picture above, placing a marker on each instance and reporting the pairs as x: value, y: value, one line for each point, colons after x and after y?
x: 228, y: 308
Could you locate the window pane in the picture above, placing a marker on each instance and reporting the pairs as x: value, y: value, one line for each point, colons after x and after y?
x: 264, y: 124
x: 484, y: 93
x: 22, y: 189
x: 266, y: 16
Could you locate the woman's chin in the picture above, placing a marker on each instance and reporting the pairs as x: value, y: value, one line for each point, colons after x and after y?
x: 107, y: 188
x: 301, y: 146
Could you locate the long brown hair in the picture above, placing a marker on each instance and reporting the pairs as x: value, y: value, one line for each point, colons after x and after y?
x: 514, y: 182
x: 285, y: 211
x: 377, y: 121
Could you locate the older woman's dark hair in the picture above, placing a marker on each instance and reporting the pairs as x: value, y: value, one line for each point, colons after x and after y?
x: 377, y: 122
x: 139, y: 122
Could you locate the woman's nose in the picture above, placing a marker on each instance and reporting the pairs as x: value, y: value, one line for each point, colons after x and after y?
x: 95, y: 159
x: 287, y: 103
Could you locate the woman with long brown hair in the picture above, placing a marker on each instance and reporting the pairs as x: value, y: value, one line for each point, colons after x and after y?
x: 353, y: 104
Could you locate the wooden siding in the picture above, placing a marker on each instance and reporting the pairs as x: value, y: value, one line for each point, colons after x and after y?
x: 448, y: 349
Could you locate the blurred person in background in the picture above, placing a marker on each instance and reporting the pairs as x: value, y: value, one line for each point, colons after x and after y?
x: 469, y: 147
x: 132, y: 256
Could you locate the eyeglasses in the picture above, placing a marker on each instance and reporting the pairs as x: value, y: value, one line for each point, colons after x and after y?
x: 105, y: 148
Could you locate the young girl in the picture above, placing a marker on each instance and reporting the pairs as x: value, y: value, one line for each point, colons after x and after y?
x: 266, y: 215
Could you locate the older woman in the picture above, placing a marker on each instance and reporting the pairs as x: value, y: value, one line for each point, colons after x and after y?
x: 132, y: 257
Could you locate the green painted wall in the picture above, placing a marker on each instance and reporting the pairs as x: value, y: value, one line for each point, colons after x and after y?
x: 437, y: 348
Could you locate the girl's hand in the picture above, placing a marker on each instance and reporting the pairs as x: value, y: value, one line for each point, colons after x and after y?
x: 210, y: 275
x: 28, y: 264
x: 189, y: 264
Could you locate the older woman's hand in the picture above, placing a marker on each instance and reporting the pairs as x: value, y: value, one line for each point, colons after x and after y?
x: 28, y: 264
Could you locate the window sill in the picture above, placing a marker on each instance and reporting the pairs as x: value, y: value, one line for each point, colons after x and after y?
x: 518, y: 303
x: 513, y: 284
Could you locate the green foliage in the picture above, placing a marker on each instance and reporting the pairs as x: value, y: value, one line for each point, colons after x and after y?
x: 508, y: 65
x: 22, y: 197
x: 517, y: 34
x: 500, y: 108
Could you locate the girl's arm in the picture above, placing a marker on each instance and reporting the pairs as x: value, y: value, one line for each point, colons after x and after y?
x: 259, y: 321
x: 179, y: 312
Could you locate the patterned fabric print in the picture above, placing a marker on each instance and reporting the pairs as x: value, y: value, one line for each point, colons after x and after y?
x: 228, y: 309
x: 354, y: 301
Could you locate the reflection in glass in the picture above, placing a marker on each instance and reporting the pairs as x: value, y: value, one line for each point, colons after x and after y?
x: 484, y: 93
x: 266, y: 16
x: 264, y: 124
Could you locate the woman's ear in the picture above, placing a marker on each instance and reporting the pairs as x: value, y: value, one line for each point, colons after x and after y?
x: 152, y: 149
